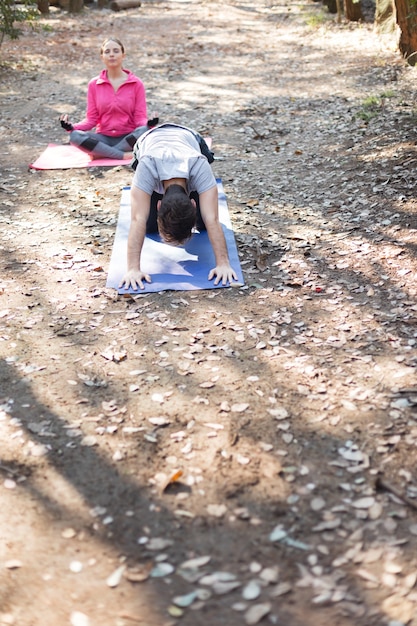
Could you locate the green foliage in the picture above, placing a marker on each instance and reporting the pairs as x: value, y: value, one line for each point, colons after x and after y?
x: 372, y: 105
x: 366, y: 115
x: 11, y: 14
x: 413, y: 10
x: 371, y: 102
x: 316, y: 19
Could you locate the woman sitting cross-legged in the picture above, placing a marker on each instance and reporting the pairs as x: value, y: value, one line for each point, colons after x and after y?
x: 116, y: 109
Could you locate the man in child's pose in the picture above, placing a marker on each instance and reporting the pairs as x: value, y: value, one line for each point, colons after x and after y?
x: 171, y: 168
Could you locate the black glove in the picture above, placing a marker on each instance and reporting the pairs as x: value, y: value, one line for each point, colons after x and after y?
x: 66, y: 125
x: 153, y: 122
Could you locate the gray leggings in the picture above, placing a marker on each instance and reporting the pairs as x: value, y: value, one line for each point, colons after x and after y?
x: 104, y: 146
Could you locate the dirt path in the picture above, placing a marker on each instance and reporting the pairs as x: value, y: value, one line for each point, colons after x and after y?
x: 289, y: 405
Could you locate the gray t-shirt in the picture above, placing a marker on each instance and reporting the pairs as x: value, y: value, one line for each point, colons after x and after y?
x: 171, y: 151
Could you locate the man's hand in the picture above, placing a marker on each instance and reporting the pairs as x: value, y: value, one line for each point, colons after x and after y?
x: 134, y: 279
x: 209, y: 208
x: 139, y: 208
x: 223, y: 274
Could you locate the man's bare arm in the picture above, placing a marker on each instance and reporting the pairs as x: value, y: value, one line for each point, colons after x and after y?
x: 140, y: 205
x: 209, y: 208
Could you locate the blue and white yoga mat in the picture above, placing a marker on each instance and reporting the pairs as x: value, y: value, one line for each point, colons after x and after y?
x: 178, y: 268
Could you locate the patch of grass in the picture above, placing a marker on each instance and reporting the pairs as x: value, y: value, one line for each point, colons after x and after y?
x: 371, y: 106
x: 316, y: 19
x: 371, y: 102
x: 375, y: 102
x: 366, y: 116
x: 388, y: 94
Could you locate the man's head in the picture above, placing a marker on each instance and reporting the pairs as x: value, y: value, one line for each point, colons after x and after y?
x: 176, y: 215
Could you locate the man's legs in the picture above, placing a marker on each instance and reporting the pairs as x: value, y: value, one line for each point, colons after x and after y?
x: 152, y: 224
x: 200, y: 225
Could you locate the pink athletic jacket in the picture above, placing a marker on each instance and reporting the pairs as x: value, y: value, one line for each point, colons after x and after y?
x: 114, y: 113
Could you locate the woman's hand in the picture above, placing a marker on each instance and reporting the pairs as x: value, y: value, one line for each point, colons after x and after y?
x: 153, y: 119
x: 66, y: 125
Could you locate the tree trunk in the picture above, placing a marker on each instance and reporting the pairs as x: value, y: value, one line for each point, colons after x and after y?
x: 75, y: 6
x: 43, y: 6
x: 339, y: 11
x: 331, y: 5
x: 353, y: 11
x: 119, y: 5
x: 385, y: 16
x: 407, y: 21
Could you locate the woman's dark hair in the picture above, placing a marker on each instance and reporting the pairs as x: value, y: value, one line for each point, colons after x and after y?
x: 106, y: 41
x: 176, y: 216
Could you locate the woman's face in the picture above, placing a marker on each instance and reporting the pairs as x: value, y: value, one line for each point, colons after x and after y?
x: 112, y: 54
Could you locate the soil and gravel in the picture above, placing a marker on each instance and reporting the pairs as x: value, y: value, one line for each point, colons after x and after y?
x: 231, y: 456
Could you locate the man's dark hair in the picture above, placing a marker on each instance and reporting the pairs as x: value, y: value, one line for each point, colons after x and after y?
x: 176, y: 215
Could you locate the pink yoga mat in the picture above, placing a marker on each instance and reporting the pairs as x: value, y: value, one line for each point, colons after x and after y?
x: 64, y: 157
